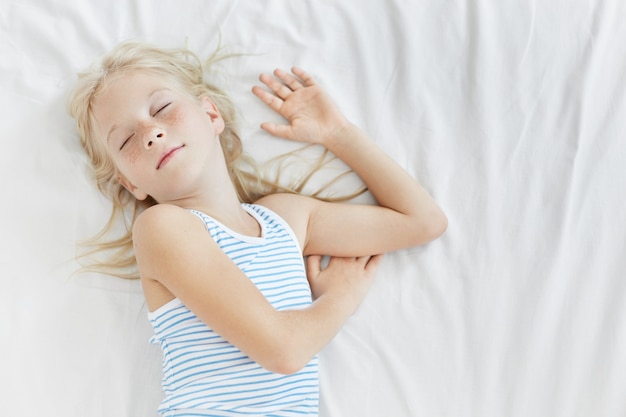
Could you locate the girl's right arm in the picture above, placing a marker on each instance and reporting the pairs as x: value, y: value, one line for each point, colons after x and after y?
x: 174, y: 250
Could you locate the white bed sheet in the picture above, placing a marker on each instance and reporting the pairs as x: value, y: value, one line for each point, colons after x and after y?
x: 512, y: 113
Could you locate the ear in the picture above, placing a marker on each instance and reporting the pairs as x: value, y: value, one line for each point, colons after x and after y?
x: 216, y: 118
x: 139, y: 195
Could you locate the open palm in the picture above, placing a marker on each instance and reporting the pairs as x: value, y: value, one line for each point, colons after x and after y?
x: 312, y: 115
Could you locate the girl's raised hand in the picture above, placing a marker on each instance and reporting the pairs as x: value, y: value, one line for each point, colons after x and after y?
x: 312, y: 115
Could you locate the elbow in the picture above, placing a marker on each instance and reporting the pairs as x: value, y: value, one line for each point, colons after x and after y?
x: 285, y: 367
x: 430, y: 227
x: 284, y: 354
x: 439, y: 224
x: 283, y: 347
x: 285, y: 361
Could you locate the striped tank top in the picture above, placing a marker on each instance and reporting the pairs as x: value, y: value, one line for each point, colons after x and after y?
x: 203, y: 374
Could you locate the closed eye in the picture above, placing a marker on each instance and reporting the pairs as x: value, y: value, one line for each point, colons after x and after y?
x: 126, y: 141
x: 162, y: 108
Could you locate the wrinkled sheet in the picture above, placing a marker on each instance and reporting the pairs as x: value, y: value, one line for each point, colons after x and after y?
x: 511, y: 113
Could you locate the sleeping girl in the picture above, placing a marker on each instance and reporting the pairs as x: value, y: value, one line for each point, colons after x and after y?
x: 238, y: 312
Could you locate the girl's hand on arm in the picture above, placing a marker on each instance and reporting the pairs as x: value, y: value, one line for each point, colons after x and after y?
x: 345, y: 278
x: 338, y: 290
x: 312, y: 114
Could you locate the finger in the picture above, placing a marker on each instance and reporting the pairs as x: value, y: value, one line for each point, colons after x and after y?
x: 314, y: 265
x: 291, y: 81
x: 306, y: 78
x: 280, y: 89
x: 341, y: 260
x: 363, y: 260
x: 275, y: 129
x: 368, y: 261
x: 271, y: 100
x: 373, y: 262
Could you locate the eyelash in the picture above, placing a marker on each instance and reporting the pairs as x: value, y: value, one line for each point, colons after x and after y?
x: 126, y: 141
x: 162, y: 108
x: 129, y: 138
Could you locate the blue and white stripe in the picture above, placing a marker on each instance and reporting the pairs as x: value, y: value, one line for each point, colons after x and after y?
x: 204, y: 375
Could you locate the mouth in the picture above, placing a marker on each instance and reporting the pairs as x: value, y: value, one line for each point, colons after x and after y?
x: 167, y: 155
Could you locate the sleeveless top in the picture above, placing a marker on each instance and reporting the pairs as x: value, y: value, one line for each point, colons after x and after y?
x: 203, y: 374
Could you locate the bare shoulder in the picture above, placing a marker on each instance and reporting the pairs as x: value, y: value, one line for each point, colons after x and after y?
x: 159, y: 218
x: 166, y: 236
x: 163, y: 223
x: 279, y: 200
x: 161, y: 235
x: 293, y: 208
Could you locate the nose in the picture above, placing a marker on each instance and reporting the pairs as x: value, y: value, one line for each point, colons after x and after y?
x: 152, y: 134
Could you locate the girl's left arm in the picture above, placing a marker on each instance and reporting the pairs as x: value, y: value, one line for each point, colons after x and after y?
x: 406, y: 215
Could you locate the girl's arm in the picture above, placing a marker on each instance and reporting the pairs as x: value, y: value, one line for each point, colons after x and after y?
x: 178, y: 258
x: 406, y: 215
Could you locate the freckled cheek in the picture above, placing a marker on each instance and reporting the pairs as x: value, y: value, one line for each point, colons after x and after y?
x: 130, y: 155
x: 133, y: 154
x: 186, y: 121
x: 175, y: 117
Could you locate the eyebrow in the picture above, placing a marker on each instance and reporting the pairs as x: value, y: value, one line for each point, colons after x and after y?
x: 114, y: 127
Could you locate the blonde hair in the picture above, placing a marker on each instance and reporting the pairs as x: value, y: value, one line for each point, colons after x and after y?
x: 188, y: 72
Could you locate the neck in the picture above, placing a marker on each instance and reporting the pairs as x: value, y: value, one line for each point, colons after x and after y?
x: 215, y: 195
x: 223, y: 205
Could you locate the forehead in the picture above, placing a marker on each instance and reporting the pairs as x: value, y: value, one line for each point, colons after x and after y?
x: 125, y: 85
x: 123, y: 92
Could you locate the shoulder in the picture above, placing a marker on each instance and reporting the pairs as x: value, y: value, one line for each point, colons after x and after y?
x: 287, y: 204
x: 159, y: 212
x: 167, y: 234
x: 162, y: 218
x: 293, y: 208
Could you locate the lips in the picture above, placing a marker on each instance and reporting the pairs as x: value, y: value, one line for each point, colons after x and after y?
x: 167, y: 155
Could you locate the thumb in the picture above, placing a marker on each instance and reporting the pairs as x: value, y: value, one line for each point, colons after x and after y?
x: 374, y: 262
x: 275, y: 129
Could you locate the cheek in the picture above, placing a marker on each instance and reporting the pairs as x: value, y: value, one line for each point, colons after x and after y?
x: 188, y: 120
x: 129, y: 156
x: 176, y: 117
x: 134, y: 152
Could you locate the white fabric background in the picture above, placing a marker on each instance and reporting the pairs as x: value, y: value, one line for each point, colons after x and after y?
x: 512, y: 113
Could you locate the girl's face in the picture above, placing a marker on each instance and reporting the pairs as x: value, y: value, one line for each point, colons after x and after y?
x: 159, y: 138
